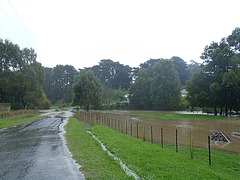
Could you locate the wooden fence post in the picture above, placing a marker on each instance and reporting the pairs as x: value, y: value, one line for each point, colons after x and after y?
x: 176, y: 141
x: 121, y: 127
x: 209, y: 151
x: 126, y: 127
x: 137, y: 130
x: 131, y: 128
x: 151, y: 135
x: 191, y: 144
x: 162, y: 136
x: 143, y: 133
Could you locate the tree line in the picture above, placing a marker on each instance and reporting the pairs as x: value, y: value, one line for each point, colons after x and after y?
x: 21, y: 77
x: 154, y: 85
x: 114, y: 79
x: 217, y: 86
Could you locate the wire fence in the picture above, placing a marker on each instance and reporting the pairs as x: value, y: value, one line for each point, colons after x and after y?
x: 150, y: 131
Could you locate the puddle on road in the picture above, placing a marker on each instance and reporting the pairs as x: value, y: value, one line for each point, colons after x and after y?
x: 65, y: 115
x: 133, y: 125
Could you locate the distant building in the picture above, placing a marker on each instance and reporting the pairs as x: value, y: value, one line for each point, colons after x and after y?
x: 184, y: 93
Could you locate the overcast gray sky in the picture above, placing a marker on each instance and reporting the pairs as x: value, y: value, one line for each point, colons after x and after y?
x: 82, y: 32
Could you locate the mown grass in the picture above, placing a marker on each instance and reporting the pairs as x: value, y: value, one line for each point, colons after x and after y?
x: 150, y: 161
x: 95, y: 163
x: 12, y: 121
x: 179, y: 116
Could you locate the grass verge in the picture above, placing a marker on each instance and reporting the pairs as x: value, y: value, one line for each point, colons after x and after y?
x: 95, y: 163
x: 179, y: 116
x: 150, y: 161
x: 12, y: 121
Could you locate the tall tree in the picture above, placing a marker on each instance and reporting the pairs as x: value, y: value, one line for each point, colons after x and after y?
x: 149, y: 63
x: 140, y: 90
x: 181, y: 66
x: 21, y: 77
x: 59, y: 82
x: 157, y: 87
x: 113, y: 74
x: 221, y: 67
x: 193, y: 68
x: 87, y: 91
x: 199, y: 93
x: 166, y: 86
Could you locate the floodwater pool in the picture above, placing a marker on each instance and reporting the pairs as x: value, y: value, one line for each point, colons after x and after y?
x: 135, y: 126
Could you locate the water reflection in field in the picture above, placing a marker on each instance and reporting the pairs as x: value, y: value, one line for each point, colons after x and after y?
x: 133, y: 125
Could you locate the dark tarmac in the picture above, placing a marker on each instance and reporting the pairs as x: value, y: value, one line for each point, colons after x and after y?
x: 37, y: 151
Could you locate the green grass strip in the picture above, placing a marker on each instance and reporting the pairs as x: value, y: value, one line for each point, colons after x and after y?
x: 178, y: 116
x: 4, y: 123
x: 95, y: 163
x: 150, y: 161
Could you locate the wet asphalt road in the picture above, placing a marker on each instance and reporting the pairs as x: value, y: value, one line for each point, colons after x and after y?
x: 36, y: 151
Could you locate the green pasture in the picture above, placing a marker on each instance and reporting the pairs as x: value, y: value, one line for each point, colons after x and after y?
x: 149, y: 161
x: 95, y: 163
x: 7, y: 122
x: 179, y: 116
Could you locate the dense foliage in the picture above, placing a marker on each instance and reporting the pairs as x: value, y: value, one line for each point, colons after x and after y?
x: 116, y: 80
x: 182, y: 69
x: 87, y: 91
x: 218, y: 84
x: 59, y: 82
x: 112, y: 96
x: 113, y: 74
x: 157, y: 87
x: 21, y: 77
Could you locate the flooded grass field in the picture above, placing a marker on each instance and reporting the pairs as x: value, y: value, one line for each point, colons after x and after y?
x: 135, y: 125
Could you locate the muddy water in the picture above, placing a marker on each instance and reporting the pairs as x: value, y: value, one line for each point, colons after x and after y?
x: 135, y: 126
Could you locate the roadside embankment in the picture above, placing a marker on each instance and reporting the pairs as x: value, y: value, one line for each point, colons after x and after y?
x: 95, y: 163
x: 148, y: 161
x: 17, y: 117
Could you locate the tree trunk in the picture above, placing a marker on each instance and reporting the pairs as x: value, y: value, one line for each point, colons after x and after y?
x: 215, y: 111
x: 226, y: 111
x: 192, y: 109
x: 225, y: 99
x: 2, y: 96
x: 221, y: 111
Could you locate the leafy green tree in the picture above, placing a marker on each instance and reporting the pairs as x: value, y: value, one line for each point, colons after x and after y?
x: 140, y: 91
x: 181, y: 66
x: 140, y: 96
x: 193, y: 68
x: 87, y: 91
x: 157, y: 87
x: 166, y: 86
x: 198, y: 90
x: 113, y: 74
x: 220, y: 74
x: 111, y: 96
x: 59, y: 83
x: 21, y: 76
x: 234, y: 40
x: 149, y: 63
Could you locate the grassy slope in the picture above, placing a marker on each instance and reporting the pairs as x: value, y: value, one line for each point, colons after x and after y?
x: 150, y: 161
x: 179, y: 116
x: 96, y: 163
x: 6, y: 122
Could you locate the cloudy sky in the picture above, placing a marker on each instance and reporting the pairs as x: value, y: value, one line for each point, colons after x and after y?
x: 82, y: 32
